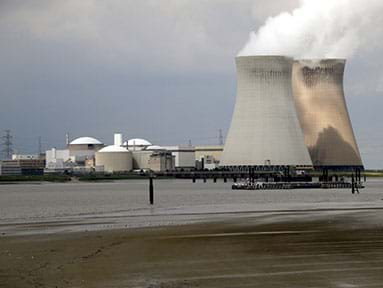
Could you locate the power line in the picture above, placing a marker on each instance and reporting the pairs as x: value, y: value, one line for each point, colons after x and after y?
x: 220, y: 137
x: 40, y: 148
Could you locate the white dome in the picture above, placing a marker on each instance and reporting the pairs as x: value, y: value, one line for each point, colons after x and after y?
x: 85, y: 141
x: 113, y: 148
x: 138, y: 142
x: 155, y: 147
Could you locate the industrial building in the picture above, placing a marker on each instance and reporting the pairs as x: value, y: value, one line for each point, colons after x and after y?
x: 74, y: 158
x: 27, y: 157
x: 134, y: 154
x: 214, y: 151
x: 208, y: 156
x: 57, y: 160
x: 22, y: 167
x: 184, y: 156
x: 84, y: 148
x: 322, y: 112
x: 265, y: 129
x: 155, y: 160
x: 88, y: 154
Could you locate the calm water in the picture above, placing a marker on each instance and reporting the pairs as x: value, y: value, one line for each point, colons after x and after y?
x: 52, y: 207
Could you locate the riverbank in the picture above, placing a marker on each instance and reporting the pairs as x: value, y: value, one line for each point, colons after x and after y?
x: 341, y: 249
x: 136, y: 176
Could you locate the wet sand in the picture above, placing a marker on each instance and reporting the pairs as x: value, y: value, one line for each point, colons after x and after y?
x: 308, y: 249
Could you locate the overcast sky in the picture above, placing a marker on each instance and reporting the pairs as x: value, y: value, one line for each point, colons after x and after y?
x: 156, y: 69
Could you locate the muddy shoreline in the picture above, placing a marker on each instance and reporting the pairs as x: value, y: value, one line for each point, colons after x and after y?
x: 313, y: 249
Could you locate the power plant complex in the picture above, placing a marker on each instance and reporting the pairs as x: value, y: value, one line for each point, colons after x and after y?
x: 290, y: 113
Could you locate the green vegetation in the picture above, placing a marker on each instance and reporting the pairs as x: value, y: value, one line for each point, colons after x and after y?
x: 373, y: 173
x: 34, y: 178
x: 109, y: 177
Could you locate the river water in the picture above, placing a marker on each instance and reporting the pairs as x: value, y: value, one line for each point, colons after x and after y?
x: 67, y: 207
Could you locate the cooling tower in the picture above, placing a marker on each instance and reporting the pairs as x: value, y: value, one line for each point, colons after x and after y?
x: 322, y: 112
x: 265, y: 129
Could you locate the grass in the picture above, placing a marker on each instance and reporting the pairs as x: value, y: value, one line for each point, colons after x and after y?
x: 33, y: 178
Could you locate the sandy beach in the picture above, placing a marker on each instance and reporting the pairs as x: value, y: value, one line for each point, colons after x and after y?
x: 308, y: 249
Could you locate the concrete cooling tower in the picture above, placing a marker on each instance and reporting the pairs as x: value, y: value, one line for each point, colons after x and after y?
x: 265, y: 129
x: 322, y: 112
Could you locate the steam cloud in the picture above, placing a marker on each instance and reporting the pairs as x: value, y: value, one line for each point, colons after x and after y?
x: 320, y: 29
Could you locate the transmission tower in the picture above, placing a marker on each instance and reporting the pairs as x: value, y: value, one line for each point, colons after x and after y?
x: 220, y: 137
x: 67, y: 139
x: 7, y: 144
x: 40, y: 147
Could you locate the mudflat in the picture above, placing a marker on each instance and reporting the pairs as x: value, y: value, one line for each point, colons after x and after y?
x: 339, y: 249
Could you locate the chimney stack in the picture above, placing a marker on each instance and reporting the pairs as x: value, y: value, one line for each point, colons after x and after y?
x: 118, y: 139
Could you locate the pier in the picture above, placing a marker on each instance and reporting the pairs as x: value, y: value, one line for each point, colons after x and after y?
x: 294, y: 185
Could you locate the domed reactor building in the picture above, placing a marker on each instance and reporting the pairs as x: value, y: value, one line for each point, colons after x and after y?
x: 265, y: 129
x: 323, y: 115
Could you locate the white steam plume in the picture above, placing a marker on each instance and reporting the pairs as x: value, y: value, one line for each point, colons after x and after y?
x: 320, y: 29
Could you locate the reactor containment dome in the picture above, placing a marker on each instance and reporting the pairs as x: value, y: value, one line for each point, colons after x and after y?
x: 137, y: 144
x: 85, y: 141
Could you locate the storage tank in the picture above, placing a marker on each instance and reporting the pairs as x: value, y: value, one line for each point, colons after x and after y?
x: 264, y: 128
x: 322, y: 112
x: 115, y: 158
